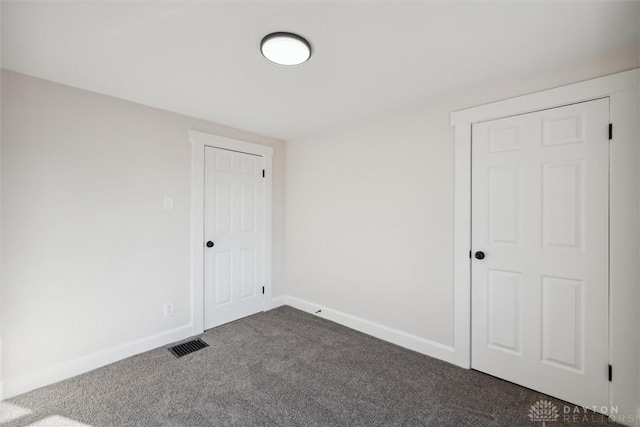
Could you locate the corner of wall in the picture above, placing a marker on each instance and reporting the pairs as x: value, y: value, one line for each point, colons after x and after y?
x: 276, y: 302
x: 385, y: 333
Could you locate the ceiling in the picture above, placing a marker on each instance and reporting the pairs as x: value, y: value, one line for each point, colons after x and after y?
x: 202, y: 58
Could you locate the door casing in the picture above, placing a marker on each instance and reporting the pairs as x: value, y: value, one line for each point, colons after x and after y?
x: 200, y: 140
x: 624, y: 214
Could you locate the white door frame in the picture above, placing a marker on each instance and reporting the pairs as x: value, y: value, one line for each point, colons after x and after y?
x: 200, y: 140
x: 624, y: 191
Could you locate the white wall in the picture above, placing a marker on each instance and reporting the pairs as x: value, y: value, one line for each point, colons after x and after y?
x: 1, y: 258
x: 370, y: 222
x: 369, y: 216
x: 90, y: 255
x: 370, y: 206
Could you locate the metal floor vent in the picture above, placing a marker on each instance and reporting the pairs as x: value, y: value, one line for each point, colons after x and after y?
x: 188, y: 347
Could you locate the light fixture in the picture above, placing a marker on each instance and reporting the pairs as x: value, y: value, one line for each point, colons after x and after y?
x: 285, y: 48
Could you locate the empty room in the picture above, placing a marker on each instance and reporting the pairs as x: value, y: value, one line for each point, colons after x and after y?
x: 329, y: 213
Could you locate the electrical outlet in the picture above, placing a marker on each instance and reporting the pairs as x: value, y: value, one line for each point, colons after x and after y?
x: 168, y: 309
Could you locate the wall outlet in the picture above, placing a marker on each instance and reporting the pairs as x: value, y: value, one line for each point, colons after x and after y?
x: 168, y: 309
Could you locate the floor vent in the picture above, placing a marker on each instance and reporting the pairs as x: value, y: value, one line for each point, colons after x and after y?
x: 188, y: 347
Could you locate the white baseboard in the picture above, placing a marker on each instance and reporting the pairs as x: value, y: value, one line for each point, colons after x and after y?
x: 275, y: 303
x: 62, y: 371
x: 10, y: 387
x: 403, y: 339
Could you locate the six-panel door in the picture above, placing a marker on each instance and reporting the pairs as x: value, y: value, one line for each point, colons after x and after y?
x: 540, y: 215
x: 234, y: 224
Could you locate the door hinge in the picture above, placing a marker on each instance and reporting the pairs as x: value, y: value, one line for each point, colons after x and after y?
x: 263, y: 290
x: 263, y: 173
x: 610, y: 373
x: 610, y: 131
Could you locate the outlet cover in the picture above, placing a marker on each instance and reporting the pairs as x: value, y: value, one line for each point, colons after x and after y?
x: 168, y: 309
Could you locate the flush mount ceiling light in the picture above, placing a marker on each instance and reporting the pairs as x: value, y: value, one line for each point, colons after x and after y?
x: 285, y: 48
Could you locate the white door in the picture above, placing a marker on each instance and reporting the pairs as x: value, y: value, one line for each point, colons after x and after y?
x: 234, y: 235
x: 540, y: 216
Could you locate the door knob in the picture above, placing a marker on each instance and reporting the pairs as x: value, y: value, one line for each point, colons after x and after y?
x: 209, y: 244
x: 479, y: 255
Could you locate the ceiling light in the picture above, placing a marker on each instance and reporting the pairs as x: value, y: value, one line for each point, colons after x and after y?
x: 285, y: 48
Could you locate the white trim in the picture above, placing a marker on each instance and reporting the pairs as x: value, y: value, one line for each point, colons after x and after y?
x: 563, y: 95
x: 276, y: 302
x: 268, y: 224
x: 200, y: 140
x: 622, y: 90
x: 62, y: 371
x: 403, y: 339
x: 212, y: 140
x: 461, y: 248
x: 1, y: 353
x: 624, y: 247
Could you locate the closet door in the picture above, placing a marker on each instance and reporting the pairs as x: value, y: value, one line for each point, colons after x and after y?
x: 540, y: 239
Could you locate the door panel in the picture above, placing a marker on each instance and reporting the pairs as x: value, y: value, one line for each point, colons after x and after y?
x: 503, y: 205
x: 540, y: 214
x: 562, y: 312
x: 234, y: 222
x: 504, y: 310
x: 223, y: 277
x: 248, y: 272
x: 562, y: 204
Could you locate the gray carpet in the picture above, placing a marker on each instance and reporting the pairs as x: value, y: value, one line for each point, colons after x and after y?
x: 284, y: 367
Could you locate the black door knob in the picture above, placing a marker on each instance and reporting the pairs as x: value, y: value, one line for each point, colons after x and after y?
x: 479, y: 255
x: 209, y: 244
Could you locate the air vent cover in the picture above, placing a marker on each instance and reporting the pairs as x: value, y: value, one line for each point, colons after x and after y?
x: 188, y: 347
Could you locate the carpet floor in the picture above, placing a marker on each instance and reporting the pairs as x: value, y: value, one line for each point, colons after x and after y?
x: 284, y: 368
